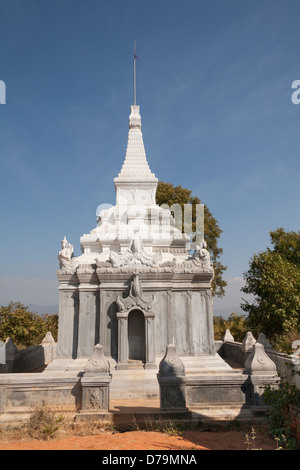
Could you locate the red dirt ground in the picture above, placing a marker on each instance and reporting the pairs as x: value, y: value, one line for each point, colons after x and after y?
x: 142, y: 440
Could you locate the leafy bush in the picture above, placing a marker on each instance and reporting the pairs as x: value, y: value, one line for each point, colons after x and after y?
x: 278, y: 401
x: 273, y: 279
x: 237, y: 325
x: 25, y: 327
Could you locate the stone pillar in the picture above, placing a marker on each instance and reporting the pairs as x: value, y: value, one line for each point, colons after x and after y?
x: 172, y: 381
x: 150, y: 341
x: 102, y: 316
x: 122, y: 340
x: 107, y: 335
x: 95, y: 385
x: 88, y: 330
x: 170, y: 318
x: 210, y: 322
x: 87, y: 324
x: 190, y: 324
x: 68, y: 322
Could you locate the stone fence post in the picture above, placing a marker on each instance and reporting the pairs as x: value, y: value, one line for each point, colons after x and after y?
x: 172, y: 381
x: 95, y: 385
x: 8, y: 351
x: 262, y: 372
x: 247, y: 345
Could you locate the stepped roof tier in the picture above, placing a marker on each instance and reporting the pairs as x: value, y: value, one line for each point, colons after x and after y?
x: 135, y: 167
x: 136, y: 216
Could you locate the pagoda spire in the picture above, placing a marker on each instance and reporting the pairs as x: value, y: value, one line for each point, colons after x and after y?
x: 135, y: 176
x: 134, y: 77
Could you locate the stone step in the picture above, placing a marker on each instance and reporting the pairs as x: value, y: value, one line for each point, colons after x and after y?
x: 134, y: 383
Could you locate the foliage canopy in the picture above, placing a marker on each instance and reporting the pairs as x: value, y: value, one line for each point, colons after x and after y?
x: 169, y: 194
x: 274, y: 279
x: 24, y: 327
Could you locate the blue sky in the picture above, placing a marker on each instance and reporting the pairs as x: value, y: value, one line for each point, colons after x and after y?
x: 214, y: 86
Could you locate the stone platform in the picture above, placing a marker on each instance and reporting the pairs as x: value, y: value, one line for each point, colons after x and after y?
x: 213, y: 391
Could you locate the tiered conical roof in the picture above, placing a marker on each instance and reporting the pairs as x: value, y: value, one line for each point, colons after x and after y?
x: 135, y: 166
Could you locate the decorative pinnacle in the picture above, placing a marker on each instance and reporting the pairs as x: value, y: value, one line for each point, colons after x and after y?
x: 134, y: 75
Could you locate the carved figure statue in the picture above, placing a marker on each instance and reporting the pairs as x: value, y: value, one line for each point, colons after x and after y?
x: 202, y: 255
x: 65, y: 256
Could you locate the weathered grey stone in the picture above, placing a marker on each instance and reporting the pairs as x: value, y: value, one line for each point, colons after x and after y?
x: 171, y: 365
x: 227, y: 336
x: 258, y: 362
x: 217, y: 389
x: 263, y: 340
x: 95, y: 394
x: 48, y: 338
x: 2, y: 353
x: 97, y: 364
x: 95, y: 383
x: 68, y: 318
x: 8, y: 353
x: 248, y: 342
x: 171, y: 378
x: 19, y: 392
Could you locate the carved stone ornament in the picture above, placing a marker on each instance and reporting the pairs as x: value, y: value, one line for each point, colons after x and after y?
x: 135, y: 256
x: 97, y: 364
x: 95, y: 398
x: 135, y: 298
x: 227, y: 336
x: 199, y: 262
x: 248, y: 342
x: 67, y: 262
x: 202, y: 256
x: 171, y: 364
x: 48, y: 338
x: 86, y: 269
x: 258, y: 362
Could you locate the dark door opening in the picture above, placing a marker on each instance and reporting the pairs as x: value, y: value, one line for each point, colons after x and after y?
x: 136, y: 336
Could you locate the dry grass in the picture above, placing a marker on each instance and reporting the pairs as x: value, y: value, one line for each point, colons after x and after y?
x: 46, y: 423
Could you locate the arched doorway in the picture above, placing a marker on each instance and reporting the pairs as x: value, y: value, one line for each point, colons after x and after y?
x: 136, y: 336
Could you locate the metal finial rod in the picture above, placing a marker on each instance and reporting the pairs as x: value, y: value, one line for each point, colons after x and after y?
x: 134, y: 78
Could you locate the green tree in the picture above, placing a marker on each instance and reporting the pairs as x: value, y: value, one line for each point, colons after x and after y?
x: 25, y: 327
x: 274, y: 280
x: 237, y: 324
x: 287, y: 244
x: 168, y: 194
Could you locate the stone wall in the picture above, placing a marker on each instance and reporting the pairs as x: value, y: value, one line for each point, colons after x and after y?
x: 88, y: 313
x: 32, y: 359
x: 232, y: 352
